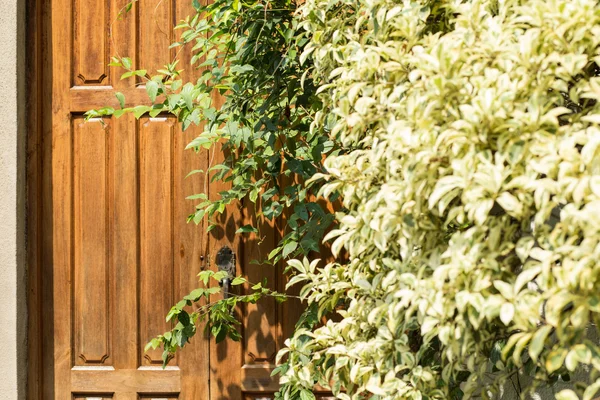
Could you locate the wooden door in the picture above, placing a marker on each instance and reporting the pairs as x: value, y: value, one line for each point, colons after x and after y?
x: 110, y: 250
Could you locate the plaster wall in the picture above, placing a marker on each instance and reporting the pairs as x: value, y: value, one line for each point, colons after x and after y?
x: 12, y: 206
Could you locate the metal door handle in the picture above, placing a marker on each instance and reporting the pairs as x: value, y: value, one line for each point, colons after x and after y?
x: 225, y: 261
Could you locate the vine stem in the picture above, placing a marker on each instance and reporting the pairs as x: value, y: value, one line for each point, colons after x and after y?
x: 233, y: 295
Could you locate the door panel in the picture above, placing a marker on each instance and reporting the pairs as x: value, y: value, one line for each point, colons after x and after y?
x: 91, y: 256
x: 113, y: 251
x: 156, y: 278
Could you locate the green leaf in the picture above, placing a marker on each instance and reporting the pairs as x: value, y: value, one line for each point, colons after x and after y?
x: 126, y: 61
x: 220, y: 333
x: 519, y: 347
x: 173, y: 100
x: 202, y: 196
x: 198, y: 216
x: 301, y: 211
x: 138, y: 111
x: 289, y: 248
x: 280, y: 298
x: 555, y: 359
x: 254, y: 195
x: 173, y: 312
x: 219, y: 167
x: 306, y: 395
x: 219, y: 275
x: 196, y: 294
x: 121, y: 97
x: 274, y: 252
x: 204, y: 276
x: 537, y: 341
x: 147, y: 346
x: 273, y: 210
x: 187, y: 95
x: 156, y: 109
x: 115, y: 62
x: 176, y: 84
x: 195, y: 171
x: 247, y: 229
x: 165, y: 357
x: 119, y: 113
x: 183, y: 317
x: 152, y: 90
x: 213, y: 290
x: 238, y: 280
x: 154, y: 344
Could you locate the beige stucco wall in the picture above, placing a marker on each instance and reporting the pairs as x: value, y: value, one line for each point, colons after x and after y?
x: 12, y: 193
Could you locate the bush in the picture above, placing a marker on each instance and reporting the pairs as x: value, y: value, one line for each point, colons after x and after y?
x: 463, y: 138
x: 471, y: 195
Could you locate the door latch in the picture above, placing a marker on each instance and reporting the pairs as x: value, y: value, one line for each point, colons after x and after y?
x: 225, y: 261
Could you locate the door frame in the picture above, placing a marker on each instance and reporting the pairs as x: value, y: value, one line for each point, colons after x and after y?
x: 38, y: 298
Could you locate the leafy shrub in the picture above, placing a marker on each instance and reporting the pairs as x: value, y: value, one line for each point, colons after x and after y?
x: 472, y: 198
x: 462, y: 136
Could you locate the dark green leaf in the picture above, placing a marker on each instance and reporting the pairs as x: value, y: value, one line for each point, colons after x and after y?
x: 183, y: 317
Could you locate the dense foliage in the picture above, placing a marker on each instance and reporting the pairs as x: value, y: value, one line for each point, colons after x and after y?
x: 470, y: 181
x: 472, y: 197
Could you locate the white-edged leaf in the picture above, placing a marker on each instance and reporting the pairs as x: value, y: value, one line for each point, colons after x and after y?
x: 507, y: 312
x: 537, y: 341
x: 566, y: 394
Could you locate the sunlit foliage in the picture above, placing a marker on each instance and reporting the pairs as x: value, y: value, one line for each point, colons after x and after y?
x: 472, y: 196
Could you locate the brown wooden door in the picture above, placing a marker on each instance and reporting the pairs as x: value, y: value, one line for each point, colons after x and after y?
x: 110, y: 249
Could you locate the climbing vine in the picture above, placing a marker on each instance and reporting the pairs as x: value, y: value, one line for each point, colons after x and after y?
x: 252, y: 54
